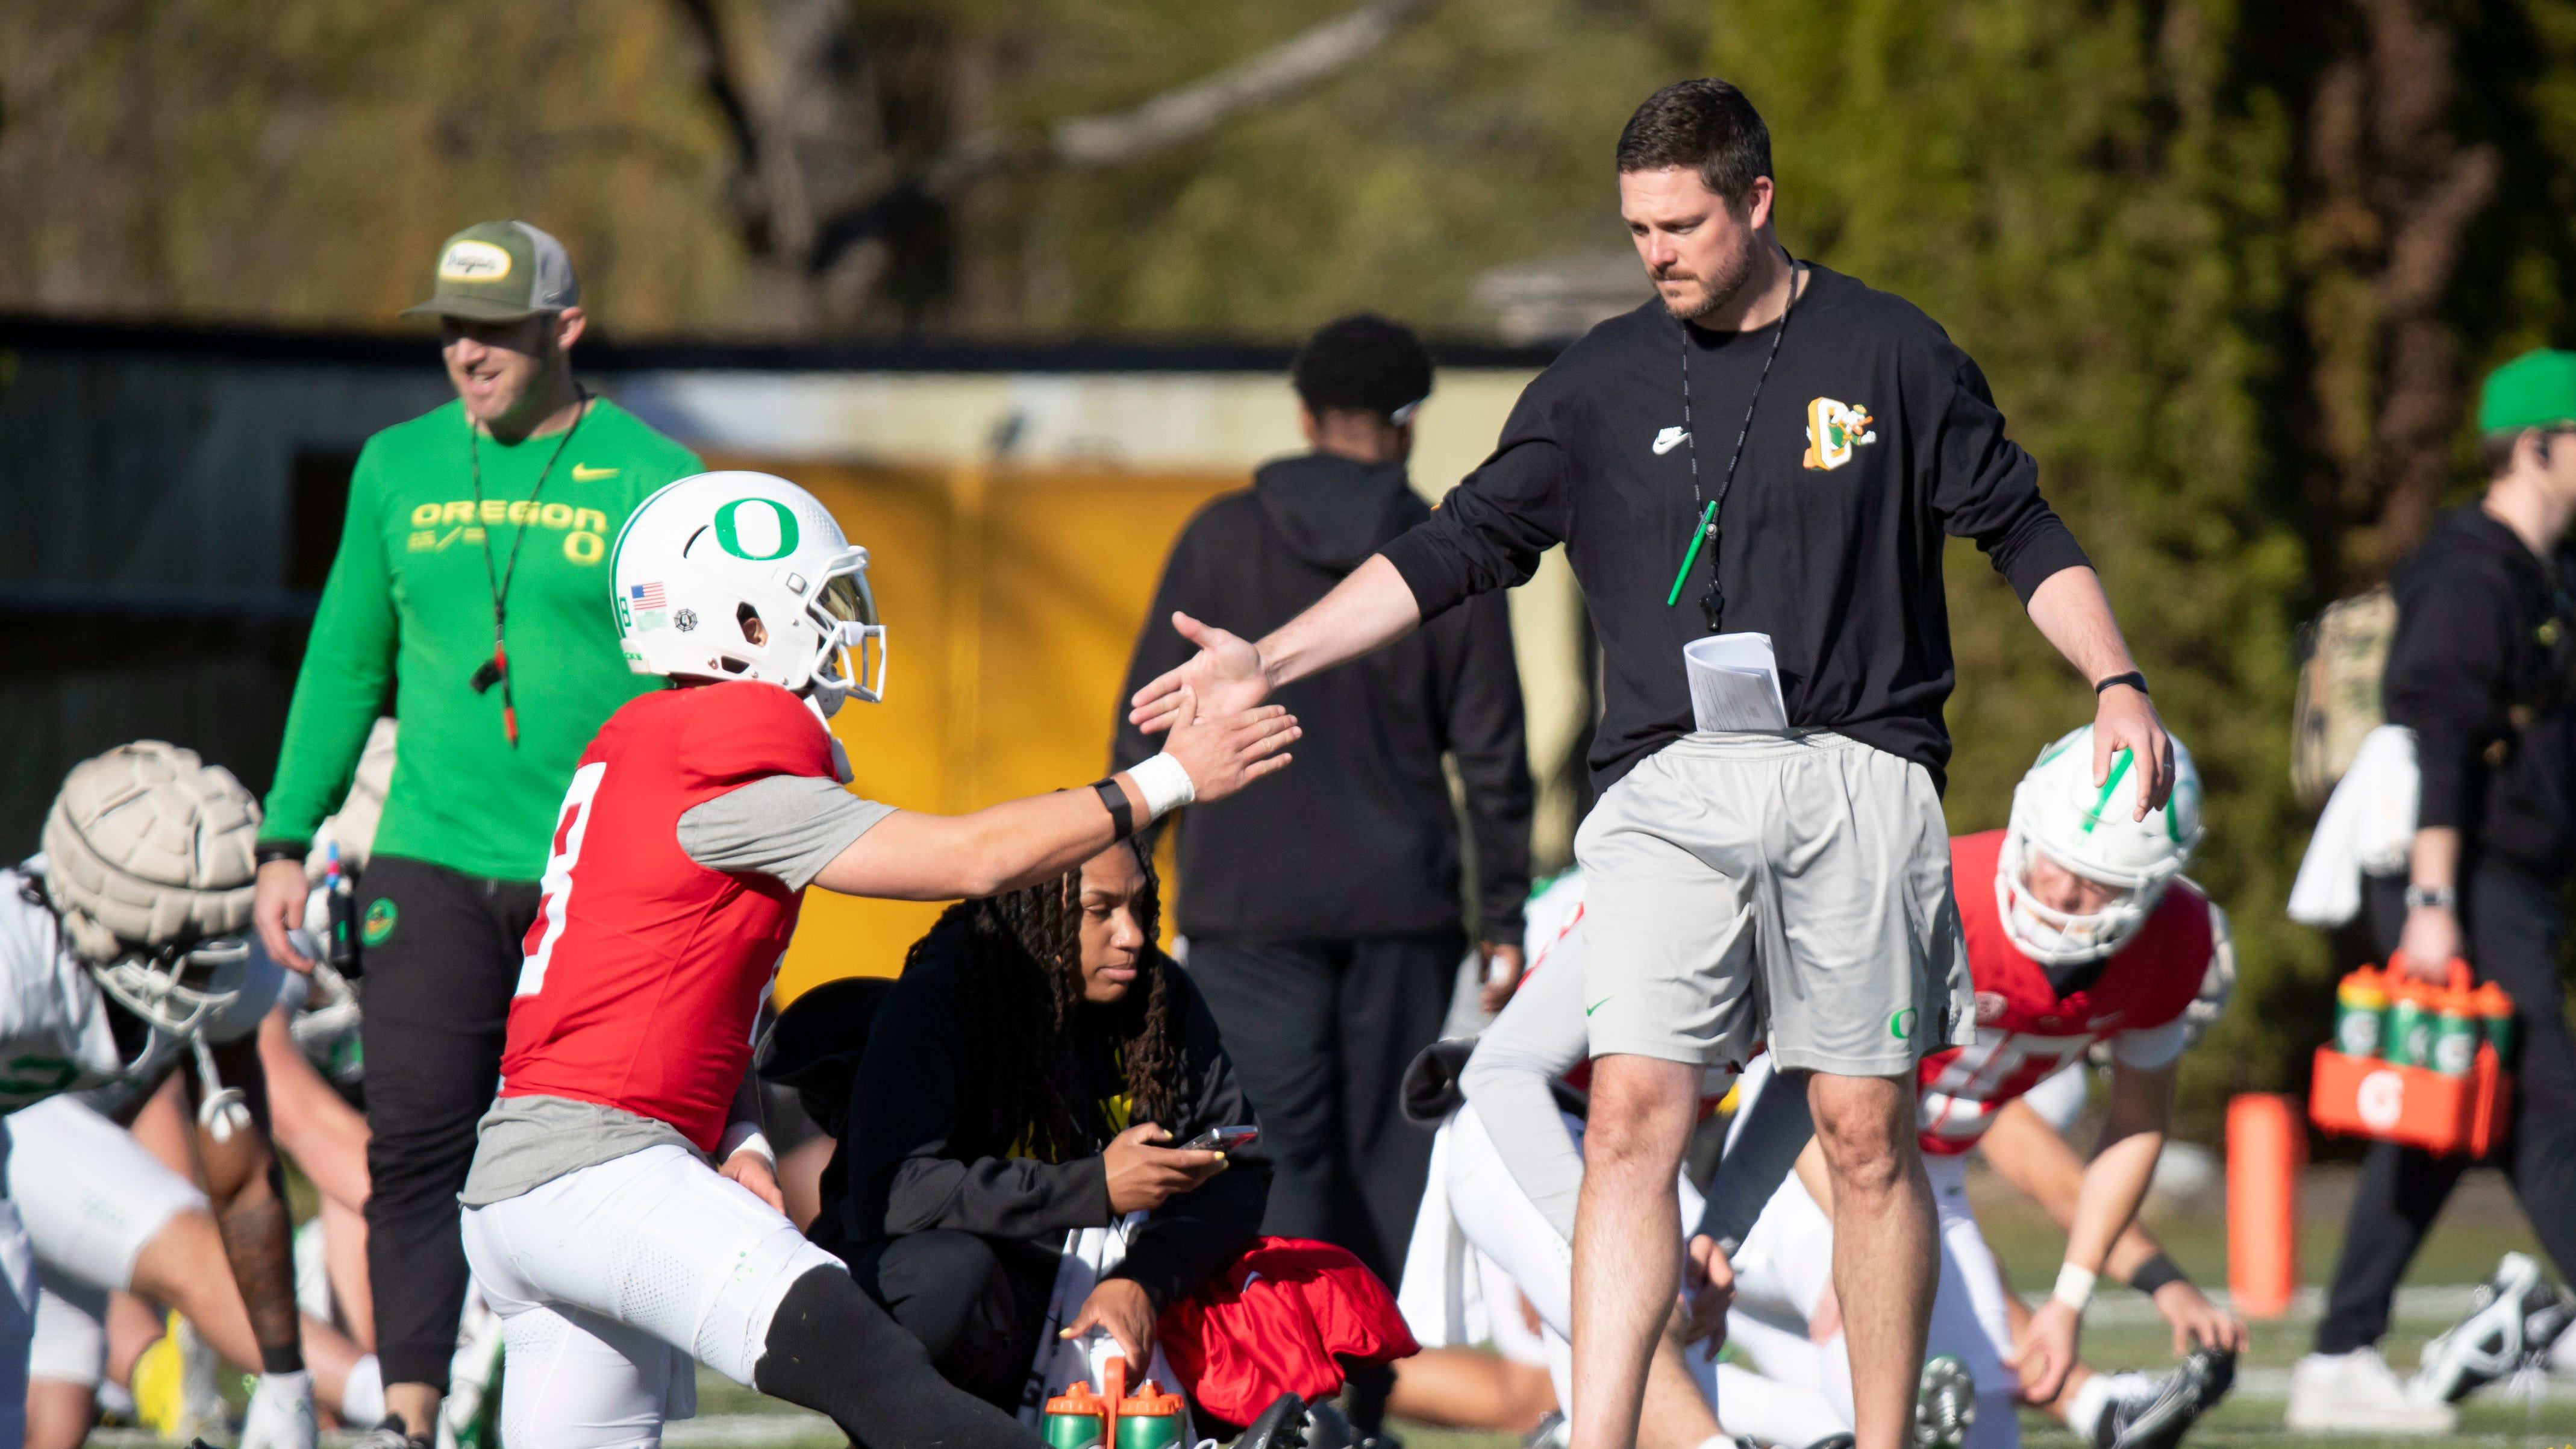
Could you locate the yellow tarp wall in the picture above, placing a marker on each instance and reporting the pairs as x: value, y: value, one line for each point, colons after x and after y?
x: 1011, y: 599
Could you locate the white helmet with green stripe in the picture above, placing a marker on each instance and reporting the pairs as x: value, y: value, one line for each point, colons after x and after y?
x: 745, y: 576
x: 2090, y: 830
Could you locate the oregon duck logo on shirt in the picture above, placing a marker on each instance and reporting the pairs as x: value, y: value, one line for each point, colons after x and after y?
x: 1834, y: 429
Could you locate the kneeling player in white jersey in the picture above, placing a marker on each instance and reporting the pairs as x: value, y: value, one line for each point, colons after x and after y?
x: 1507, y: 1166
x: 2080, y: 930
x: 119, y: 953
x: 595, y: 1224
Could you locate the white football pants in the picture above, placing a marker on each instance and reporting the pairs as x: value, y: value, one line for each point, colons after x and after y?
x: 611, y: 1279
x: 1786, y: 1270
x: 1505, y: 1226
x: 17, y: 1317
x: 90, y: 1198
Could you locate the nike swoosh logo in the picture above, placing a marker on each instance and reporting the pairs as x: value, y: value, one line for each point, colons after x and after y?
x: 584, y: 473
x: 1665, y: 441
x: 1596, y: 1006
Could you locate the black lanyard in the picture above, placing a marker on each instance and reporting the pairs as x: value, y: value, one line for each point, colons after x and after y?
x: 496, y: 670
x: 1711, y: 527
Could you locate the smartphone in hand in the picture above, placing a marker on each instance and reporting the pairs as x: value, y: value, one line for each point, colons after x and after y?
x: 1222, y: 1139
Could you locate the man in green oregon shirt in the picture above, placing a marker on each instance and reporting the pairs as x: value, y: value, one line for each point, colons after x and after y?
x: 471, y: 594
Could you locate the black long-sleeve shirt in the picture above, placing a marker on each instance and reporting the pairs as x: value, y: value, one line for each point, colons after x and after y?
x: 1874, y: 437
x: 914, y: 1158
x: 2480, y: 667
x: 1359, y: 839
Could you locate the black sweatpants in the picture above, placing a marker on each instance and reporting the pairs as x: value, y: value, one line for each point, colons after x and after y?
x: 977, y: 1304
x: 2513, y: 922
x: 440, y: 969
x: 1320, y: 1033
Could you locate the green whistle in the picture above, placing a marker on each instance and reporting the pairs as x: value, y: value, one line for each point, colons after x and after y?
x: 1698, y: 535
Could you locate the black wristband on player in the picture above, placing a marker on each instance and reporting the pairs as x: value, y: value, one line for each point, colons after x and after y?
x: 269, y: 850
x: 1122, y: 816
x: 2133, y: 679
x: 2155, y: 1273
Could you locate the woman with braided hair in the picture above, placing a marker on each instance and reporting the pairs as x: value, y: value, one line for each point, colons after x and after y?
x: 1034, y: 1072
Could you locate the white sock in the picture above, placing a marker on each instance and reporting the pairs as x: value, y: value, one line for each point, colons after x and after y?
x: 362, y: 1398
x: 2092, y: 1401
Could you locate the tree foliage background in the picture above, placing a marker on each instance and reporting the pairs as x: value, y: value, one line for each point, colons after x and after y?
x: 2232, y: 267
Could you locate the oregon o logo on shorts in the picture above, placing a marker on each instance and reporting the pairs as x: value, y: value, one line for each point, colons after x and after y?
x: 1900, y: 1023
x: 729, y: 534
x: 378, y: 922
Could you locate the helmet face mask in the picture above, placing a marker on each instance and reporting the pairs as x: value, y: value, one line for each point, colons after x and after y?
x: 2062, y: 819
x: 704, y: 557
x: 177, y: 991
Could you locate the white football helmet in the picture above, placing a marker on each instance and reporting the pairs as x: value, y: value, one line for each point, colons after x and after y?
x: 148, y: 864
x: 2087, y: 829
x: 705, y: 558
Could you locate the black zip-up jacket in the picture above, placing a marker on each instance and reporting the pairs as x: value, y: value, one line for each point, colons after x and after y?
x: 2486, y: 639
x: 1358, y: 838
x: 912, y: 1160
x: 1873, y: 438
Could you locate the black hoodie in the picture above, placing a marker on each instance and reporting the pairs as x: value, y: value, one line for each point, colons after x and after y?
x: 2486, y: 639
x: 1357, y: 838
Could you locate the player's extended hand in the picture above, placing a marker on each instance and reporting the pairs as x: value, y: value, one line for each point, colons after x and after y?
x: 1708, y: 1290
x: 2046, y: 1352
x: 277, y: 906
x: 755, y: 1171
x: 1225, y: 752
x: 1501, y: 976
x: 1226, y: 673
x: 1120, y: 1305
x: 2125, y: 719
x: 2197, y: 1320
x: 1144, y: 1176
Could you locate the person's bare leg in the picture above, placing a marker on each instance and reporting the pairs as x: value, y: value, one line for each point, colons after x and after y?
x: 59, y: 1414
x: 1886, y: 1245
x: 183, y: 1267
x: 1627, y: 1238
x: 132, y: 1326
x: 1677, y: 1415
x: 1470, y: 1388
x: 344, y: 1249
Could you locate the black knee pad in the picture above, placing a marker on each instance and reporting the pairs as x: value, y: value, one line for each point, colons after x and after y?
x: 831, y: 1348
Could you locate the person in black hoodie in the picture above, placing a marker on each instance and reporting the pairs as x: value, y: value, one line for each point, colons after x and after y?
x: 1324, y: 921
x: 1019, y: 1082
x: 2479, y: 670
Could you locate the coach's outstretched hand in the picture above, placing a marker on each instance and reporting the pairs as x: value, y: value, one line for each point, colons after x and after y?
x: 1227, y: 750
x: 1226, y: 676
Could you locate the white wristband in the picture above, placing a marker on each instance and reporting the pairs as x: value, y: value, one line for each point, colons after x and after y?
x: 1165, y: 785
x: 743, y: 1136
x: 2074, y: 1286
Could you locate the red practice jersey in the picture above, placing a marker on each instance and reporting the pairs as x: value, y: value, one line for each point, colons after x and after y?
x: 645, y: 969
x: 2025, y: 1029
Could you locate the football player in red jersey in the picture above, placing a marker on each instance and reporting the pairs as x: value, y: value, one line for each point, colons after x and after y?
x: 2080, y: 931
x: 622, y: 1214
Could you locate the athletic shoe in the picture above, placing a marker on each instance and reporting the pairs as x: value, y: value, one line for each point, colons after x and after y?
x: 178, y: 1390
x: 1554, y: 1431
x: 2513, y: 1315
x: 2357, y: 1391
x: 1281, y: 1426
x: 1945, y: 1403
x: 2157, y: 1419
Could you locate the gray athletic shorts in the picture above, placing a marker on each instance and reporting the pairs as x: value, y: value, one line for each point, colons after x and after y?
x: 1794, y: 883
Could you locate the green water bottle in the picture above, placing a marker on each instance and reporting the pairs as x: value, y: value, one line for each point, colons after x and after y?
x: 2455, y: 1035
x: 1149, y: 1419
x: 2410, y: 1027
x: 1074, y: 1419
x: 2361, y: 1014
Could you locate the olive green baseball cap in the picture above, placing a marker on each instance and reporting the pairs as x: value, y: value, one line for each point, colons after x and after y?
x: 2535, y: 390
x: 500, y: 271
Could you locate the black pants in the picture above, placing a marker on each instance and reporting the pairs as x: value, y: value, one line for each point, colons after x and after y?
x: 2513, y: 922
x: 977, y: 1304
x: 439, y: 974
x: 1320, y: 1033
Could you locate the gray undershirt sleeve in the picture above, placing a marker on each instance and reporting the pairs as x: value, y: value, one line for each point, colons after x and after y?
x: 1539, y: 1037
x: 787, y: 826
x: 1760, y: 1151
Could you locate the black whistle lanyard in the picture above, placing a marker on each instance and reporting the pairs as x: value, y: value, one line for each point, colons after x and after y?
x: 496, y: 670
x: 1710, y: 528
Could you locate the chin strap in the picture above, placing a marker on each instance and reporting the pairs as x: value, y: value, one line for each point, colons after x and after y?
x: 226, y: 1110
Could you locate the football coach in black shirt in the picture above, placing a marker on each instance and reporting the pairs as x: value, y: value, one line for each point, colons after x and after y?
x: 1774, y: 448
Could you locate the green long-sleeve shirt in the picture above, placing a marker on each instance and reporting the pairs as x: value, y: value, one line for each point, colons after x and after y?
x: 407, y: 616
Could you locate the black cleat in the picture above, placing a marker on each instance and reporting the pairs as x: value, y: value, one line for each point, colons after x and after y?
x: 2159, y: 1420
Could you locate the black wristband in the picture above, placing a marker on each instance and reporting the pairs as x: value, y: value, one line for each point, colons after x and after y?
x: 268, y: 850
x: 2133, y: 679
x: 2155, y: 1273
x: 1122, y: 816
x: 287, y: 1360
